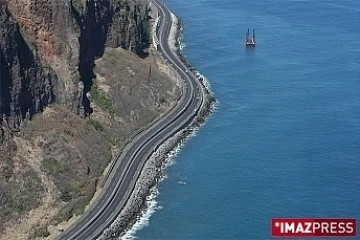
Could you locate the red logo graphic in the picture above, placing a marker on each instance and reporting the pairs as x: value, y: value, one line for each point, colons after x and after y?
x: 313, y: 227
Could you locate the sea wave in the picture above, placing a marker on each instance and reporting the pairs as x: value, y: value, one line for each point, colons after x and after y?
x: 143, y: 221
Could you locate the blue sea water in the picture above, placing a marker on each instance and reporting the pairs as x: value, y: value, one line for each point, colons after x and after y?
x: 285, y: 139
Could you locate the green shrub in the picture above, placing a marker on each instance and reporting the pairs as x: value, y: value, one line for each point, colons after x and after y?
x: 79, y: 5
x: 101, y: 99
x: 64, y: 215
x: 72, y: 190
x: 39, y: 232
x: 105, y: 160
x: 19, y: 204
x: 52, y: 165
x: 65, y: 195
x: 80, y: 206
x: 96, y: 124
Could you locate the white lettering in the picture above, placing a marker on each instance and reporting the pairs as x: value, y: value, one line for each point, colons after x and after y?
x: 308, y: 227
x: 325, y: 227
x: 316, y: 226
x: 299, y: 228
x: 333, y: 227
x: 341, y: 227
x: 289, y: 227
x: 349, y: 227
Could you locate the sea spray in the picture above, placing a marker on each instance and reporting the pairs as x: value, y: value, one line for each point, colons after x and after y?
x: 143, y: 220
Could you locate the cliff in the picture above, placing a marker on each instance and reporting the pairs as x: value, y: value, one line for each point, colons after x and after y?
x: 50, y: 29
x: 27, y: 84
x: 66, y: 41
x: 77, y: 79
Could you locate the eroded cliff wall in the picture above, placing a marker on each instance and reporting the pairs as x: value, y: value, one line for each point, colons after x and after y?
x: 26, y: 83
x: 49, y: 27
x: 129, y: 28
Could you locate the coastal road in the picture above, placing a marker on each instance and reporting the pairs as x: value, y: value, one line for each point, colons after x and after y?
x: 126, y: 170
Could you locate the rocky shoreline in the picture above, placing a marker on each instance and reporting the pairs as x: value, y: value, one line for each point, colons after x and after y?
x: 153, y: 169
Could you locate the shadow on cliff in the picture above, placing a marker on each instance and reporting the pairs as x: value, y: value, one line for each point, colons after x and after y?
x: 142, y: 54
x: 5, y: 87
x: 93, y: 34
x: 25, y: 82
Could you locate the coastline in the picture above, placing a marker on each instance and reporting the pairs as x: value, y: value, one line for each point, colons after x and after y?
x: 153, y: 170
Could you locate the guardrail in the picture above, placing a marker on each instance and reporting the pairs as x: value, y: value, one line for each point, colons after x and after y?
x: 156, y: 41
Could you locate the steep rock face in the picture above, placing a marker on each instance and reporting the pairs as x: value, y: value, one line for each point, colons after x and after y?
x: 7, y: 147
x: 26, y: 84
x: 115, y: 23
x: 50, y: 27
x: 129, y: 27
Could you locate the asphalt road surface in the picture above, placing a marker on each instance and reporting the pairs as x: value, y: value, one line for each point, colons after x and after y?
x: 124, y: 174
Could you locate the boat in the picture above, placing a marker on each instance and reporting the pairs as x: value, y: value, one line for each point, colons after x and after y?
x: 250, y: 40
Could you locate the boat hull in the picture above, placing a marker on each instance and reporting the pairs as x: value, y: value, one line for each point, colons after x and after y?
x: 250, y: 44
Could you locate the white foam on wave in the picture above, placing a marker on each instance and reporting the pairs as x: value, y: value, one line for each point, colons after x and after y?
x: 182, y: 45
x: 170, y: 159
x: 204, y: 80
x: 172, y: 36
x: 143, y: 221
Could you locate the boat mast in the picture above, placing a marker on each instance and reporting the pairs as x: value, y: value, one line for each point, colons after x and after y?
x: 254, y: 34
x: 247, y: 34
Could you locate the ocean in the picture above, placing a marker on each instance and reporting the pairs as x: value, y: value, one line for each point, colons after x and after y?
x: 284, y: 140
